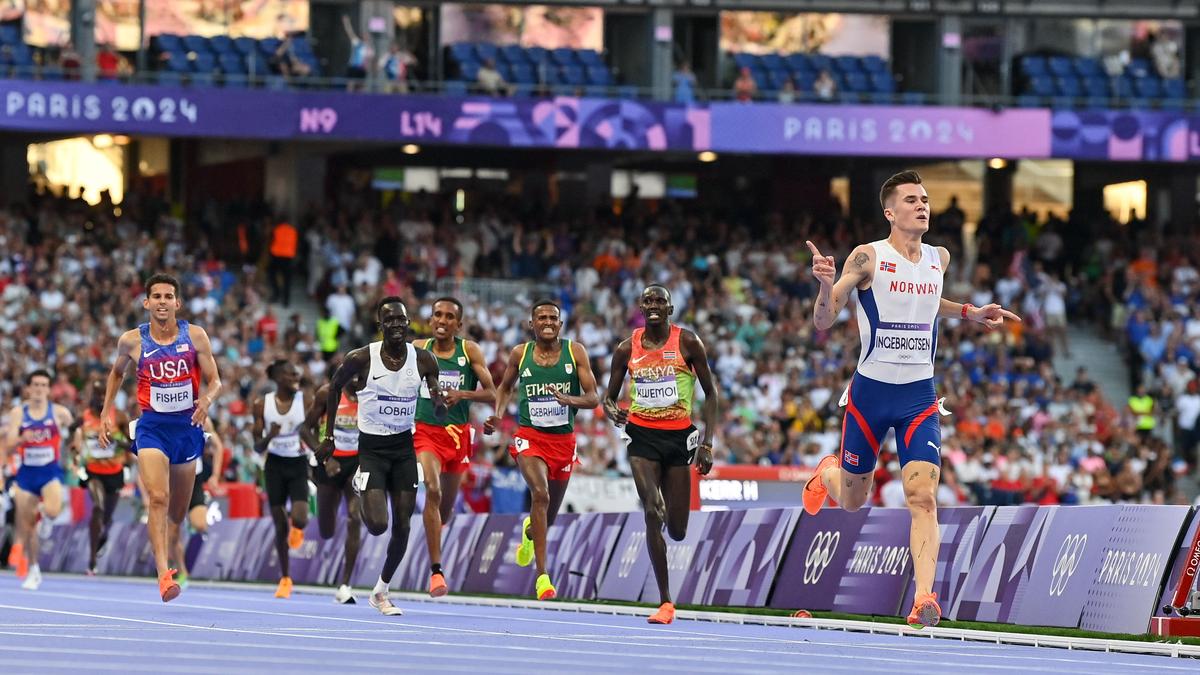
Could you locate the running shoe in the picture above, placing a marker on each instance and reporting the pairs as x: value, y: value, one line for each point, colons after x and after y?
x: 437, y: 585
x: 183, y: 580
x: 284, y: 590
x: 525, y: 549
x: 34, y: 579
x: 167, y: 588
x: 91, y: 571
x: 814, y: 490
x: 45, y: 526
x: 383, y: 603
x: 295, y: 537
x: 344, y: 595
x: 17, y: 559
x: 664, y: 615
x: 925, y: 611
x: 545, y: 589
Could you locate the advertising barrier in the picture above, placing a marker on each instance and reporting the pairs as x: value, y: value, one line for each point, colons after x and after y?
x: 1095, y: 567
x: 1126, y: 135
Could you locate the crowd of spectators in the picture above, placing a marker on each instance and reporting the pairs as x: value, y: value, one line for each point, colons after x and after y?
x: 70, y: 283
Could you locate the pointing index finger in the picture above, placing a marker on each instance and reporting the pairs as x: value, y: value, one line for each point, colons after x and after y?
x: 813, y: 248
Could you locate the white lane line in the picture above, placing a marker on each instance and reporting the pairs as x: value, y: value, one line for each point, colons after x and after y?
x: 40, y: 666
x: 624, y: 645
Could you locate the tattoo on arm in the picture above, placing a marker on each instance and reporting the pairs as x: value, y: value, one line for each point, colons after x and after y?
x: 933, y: 474
x: 849, y: 482
x: 861, y: 259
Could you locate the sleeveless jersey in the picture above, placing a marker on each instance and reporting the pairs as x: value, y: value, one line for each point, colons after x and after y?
x: 387, y: 403
x: 99, y: 459
x: 897, y: 316
x: 662, y: 384
x: 345, y: 428
x: 287, y: 443
x: 46, y: 446
x: 538, y: 409
x: 454, y: 372
x: 168, y: 376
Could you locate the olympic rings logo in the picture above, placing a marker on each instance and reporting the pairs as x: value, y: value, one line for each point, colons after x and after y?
x: 820, y: 554
x: 1069, y: 556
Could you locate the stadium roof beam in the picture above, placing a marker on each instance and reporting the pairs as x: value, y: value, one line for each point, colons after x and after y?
x: 1093, y: 9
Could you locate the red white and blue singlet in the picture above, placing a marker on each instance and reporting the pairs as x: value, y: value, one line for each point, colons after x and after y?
x: 168, y: 376
x: 893, y: 384
x: 40, y: 456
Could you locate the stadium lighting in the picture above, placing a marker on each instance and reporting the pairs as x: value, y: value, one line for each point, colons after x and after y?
x: 707, y: 156
x: 411, y: 149
x: 997, y: 163
x: 102, y: 141
x: 121, y: 140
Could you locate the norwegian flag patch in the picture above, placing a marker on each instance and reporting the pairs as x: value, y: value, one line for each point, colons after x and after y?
x: 885, y: 266
x: 670, y: 356
x: 850, y: 458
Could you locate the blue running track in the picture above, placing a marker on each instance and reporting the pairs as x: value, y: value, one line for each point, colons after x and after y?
x: 75, y: 624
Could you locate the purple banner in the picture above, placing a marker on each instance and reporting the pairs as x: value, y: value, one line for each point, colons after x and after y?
x: 583, y: 554
x: 1066, y: 543
x: 1130, y: 573
x: 910, y: 131
x: 258, y: 560
x: 493, y: 567
x: 629, y: 565
x: 319, y: 561
x: 54, y: 548
x: 818, y: 554
x: 880, y: 565
x: 370, y: 560
x: 746, y: 547
x: 221, y: 548
x: 458, y: 544
x: 413, y: 572
x: 999, y: 568
x: 696, y: 548
x: 962, y: 530
x: 1182, y: 557
x: 1126, y: 135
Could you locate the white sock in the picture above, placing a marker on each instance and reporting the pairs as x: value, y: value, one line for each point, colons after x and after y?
x: 35, y: 569
x: 381, y: 586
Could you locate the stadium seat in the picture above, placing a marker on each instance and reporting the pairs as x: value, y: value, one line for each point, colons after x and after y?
x: 881, y: 98
x: 1033, y: 66
x: 22, y: 56
x: 804, y: 81
x: 1068, y: 86
x: 170, y: 78
x: 235, y: 81
x: 1174, y: 89
x: 745, y: 60
x: 563, y: 56
x: 762, y: 80
x: 461, y: 52
x: 1139, y: 68
x: 799, y: 62
x: 203, y: 80
x: 204, y: 62
x: 522, y: 90
x: 196, y: 43
x: 778, y: 78
x: 1148, y: 87
x: 856, y: 81
x: 883, y: 82
x: 1041, y: 85
x: 1060, y: 66
x: 268, y: 46
x: 847, y: 64
x: 522, y: 73
x: 276, y: 82
x: 874, y: 64
x: 599, y: 75
x: 772, y: 61
x: 514, y: 54
x: 487, y: 50
x: 53, y: 73
x: 820, y: 62
x: 1062, y: 102
x: 1096, y: 86
x: 177, y: 62
x: 231, y: 64
x: 221, y: 44
x: 1086, y: 66
x: 468, y: 72
x: 10, y: 34
x: 1123, y: 87
x: 572, y: 75
x: 589, y: 57
x: 1096, y: 103
x: 246, y: 45
x: 166, y: 42
x: 537, y: 55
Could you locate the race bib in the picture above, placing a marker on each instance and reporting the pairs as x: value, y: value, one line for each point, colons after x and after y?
x: 93, y: 450
x: 38, y: 455
x: 345, y: 439
x: 693, y: 444
x: 660, y: 393
x: 547, y: 412
x: 521, y: 444
x: 447, y: 380
x: 169, y: 397
x: 360, y: 480
x: 903, y: 343
x: 393, y: 412
x: 286, y: 444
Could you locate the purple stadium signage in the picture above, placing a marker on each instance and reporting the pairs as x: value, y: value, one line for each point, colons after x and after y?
x: 747, y: 545
x: 1126, y: 135
x: 1065, y: 543
x: 319, y: 561
x: 914, y: 131
x: 457, y: 546
x: 370, y: 560
x: 879, y: 567
x: 696, y: 546
x: 629, y: 565
x: 220, y: 550
x: 1181, y: 557
x: 584, y: 552
x: 493, y: 569
x: 413, y: 572
x: 962, y: 530
x: 998, y: 569
x: 1129, y: 575
x: 819, y: 552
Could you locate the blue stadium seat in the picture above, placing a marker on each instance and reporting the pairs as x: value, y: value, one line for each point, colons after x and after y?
x: 10, y: 34
x: 588, y: 57
x: 461, y: 52
x: 1060, y: 66
x: 177, y: 62
x: 1175, y: 89
x: 22, y: 55
x: 820, y: 62
x: 514, y: 54
x: 1068, y: 86
x: 599, y: 75
x: 883, y: 82
x: 848, y: 64
x: 1123, y: 87
x: 1029, y: 101
x: 487, y: 50
x: 572, y: 75
x: 1096, y: 86
x: 1034, y: 66
x: 301, y: 46
x: 231, y: 64
x: 563, y: 56
x: 1148, y: 87
x: 537, y: 55
x: 804, y: 81
x: 268, y: 46
x: 762, y: 80
x: 799, y: 62
x: 856, y: 81
x: 745, y: 60
x: 204, y: 62
x: 523, y: 73
x: 246, y: 45
x: 1139, y: 68
x: 779, y: 77
x: 1041, y: 85
x: 221, y: 44
x: 874, y: 64
x: 1087, y: 66
x: 772, y: 61
x: 468, y: 71
x: 166, y: 42
x: 196, y: 43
